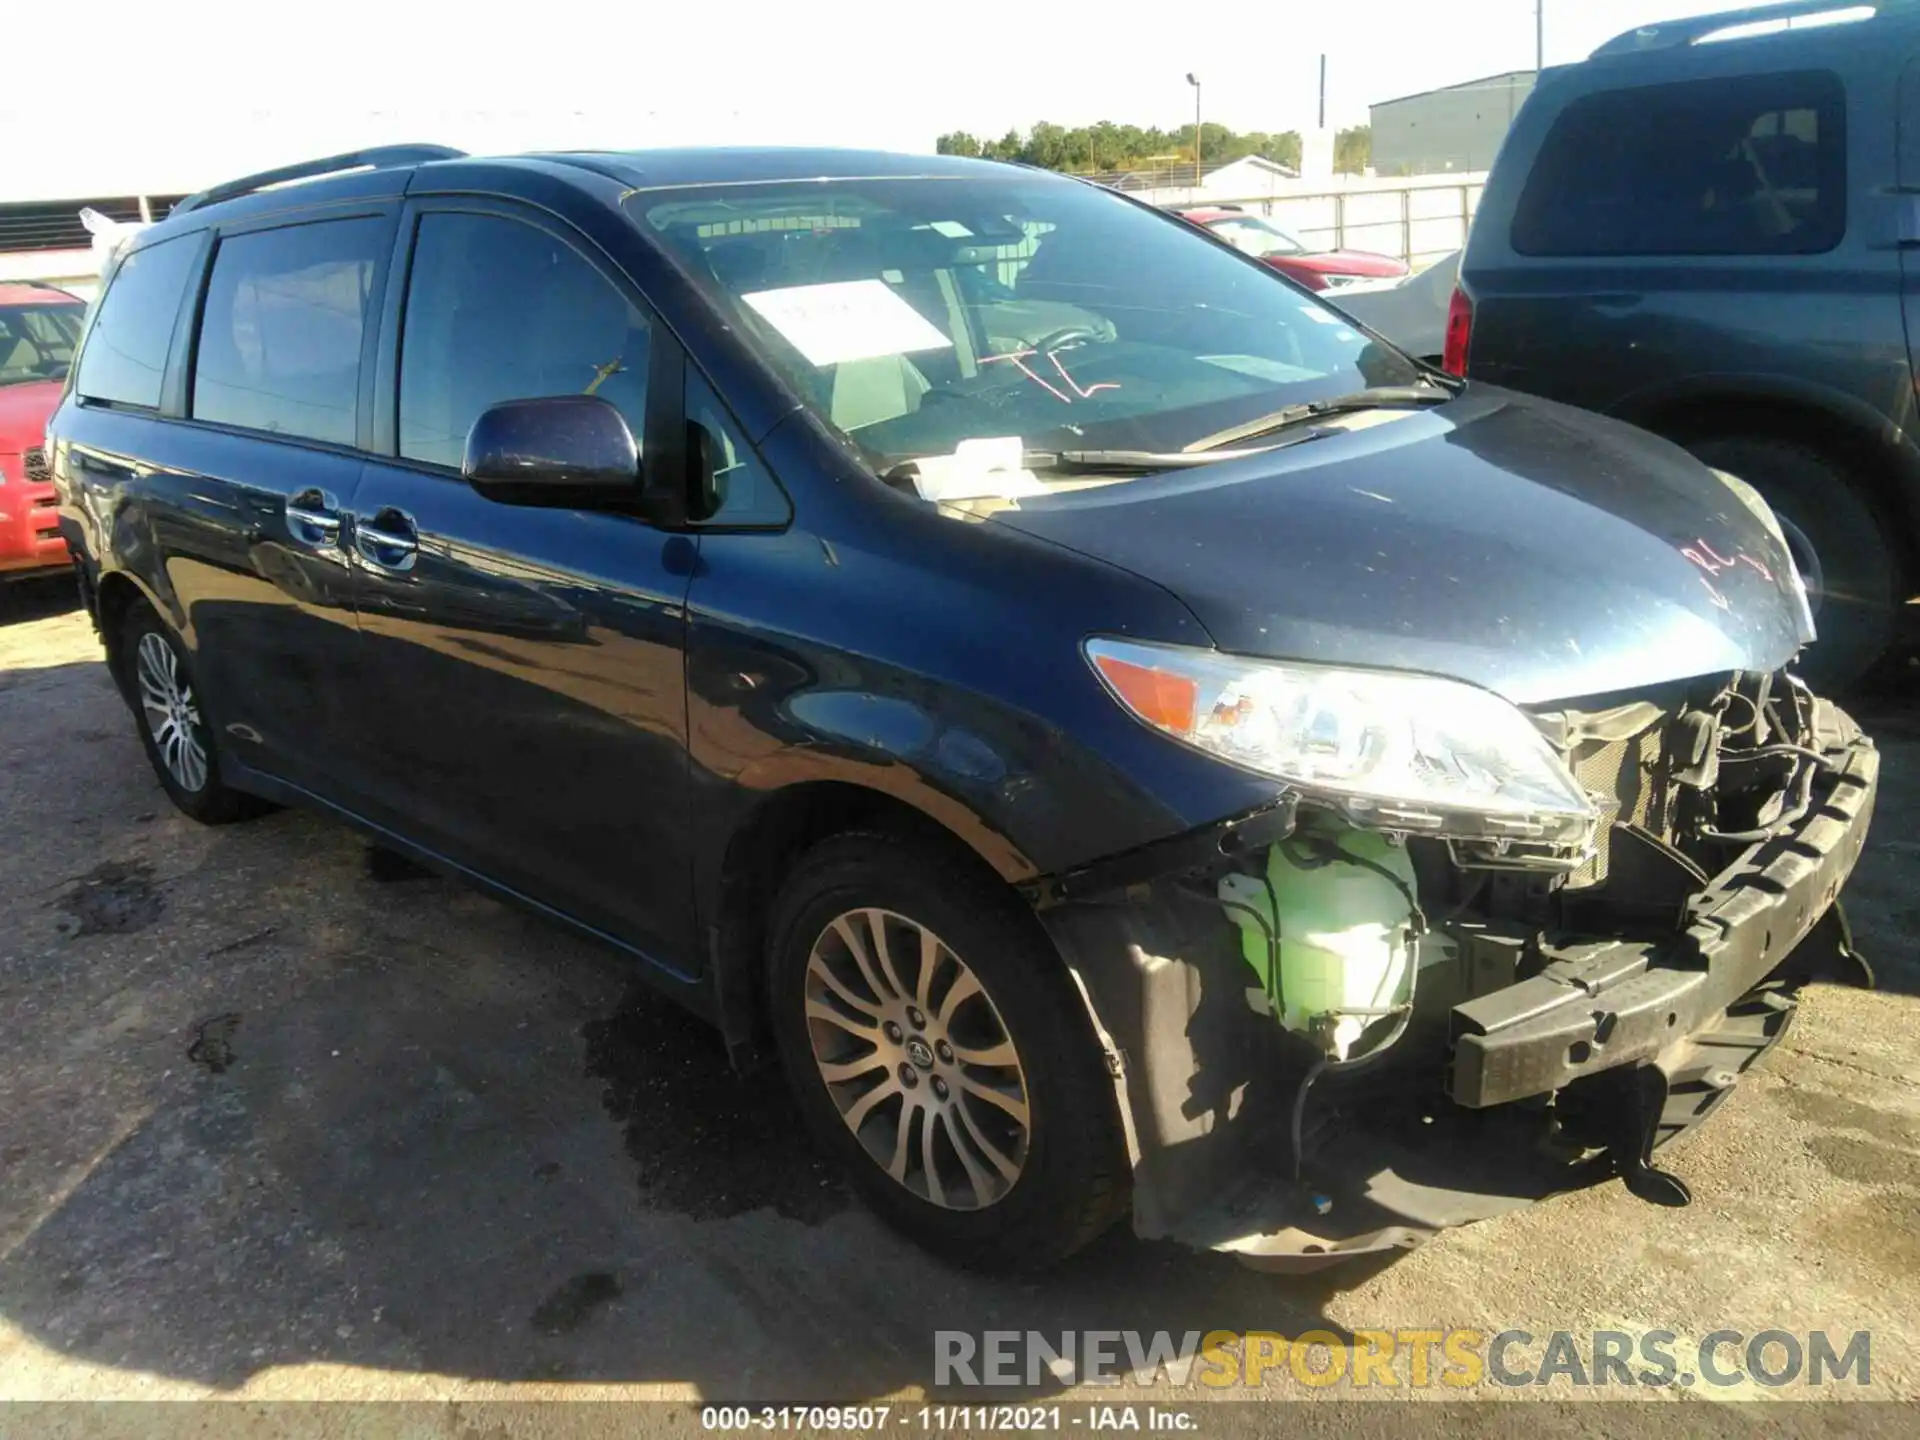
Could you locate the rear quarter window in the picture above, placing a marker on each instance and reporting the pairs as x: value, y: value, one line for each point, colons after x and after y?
x: 1752, y: 165
x: 125, y: 357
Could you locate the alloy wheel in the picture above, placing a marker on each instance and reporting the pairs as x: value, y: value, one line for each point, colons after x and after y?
x: 172, y: 715
x: 917, y: 1059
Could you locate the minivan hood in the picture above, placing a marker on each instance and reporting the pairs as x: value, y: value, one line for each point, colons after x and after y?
x: 1535, y: 550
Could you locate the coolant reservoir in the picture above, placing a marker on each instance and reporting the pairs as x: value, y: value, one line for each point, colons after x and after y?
x: 1340, y: 902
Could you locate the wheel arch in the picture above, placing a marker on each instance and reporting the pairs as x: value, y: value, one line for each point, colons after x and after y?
x: 1839, y: 427
x: 114, y: 598
x: 761, y: 852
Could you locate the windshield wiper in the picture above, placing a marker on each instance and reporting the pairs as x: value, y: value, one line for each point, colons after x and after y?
x: 1119, y: 462
x: 1381, y: 397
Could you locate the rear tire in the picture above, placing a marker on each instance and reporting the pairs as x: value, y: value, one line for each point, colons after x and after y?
x: 1016, y: 1182
x: 173, y: 723
x: 1839, y: 544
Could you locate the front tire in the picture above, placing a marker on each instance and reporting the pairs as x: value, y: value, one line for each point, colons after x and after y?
x: 937, y: 1047
x: 173, y: 724
x: 1837, y: 542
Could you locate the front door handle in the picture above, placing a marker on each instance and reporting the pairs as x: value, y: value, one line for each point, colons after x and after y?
x: 389, y: 539
x: 313, y: 517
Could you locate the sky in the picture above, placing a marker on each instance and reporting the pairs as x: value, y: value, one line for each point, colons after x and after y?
x: 182, y: 94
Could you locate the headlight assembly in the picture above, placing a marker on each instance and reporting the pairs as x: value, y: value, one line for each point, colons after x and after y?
x: 1389, y: 751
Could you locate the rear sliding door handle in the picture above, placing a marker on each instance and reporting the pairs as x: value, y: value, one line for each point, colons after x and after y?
x: 388, y: 539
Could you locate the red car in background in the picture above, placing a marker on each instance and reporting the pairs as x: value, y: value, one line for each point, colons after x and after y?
x: 1268, y: 243
x: 39, y: 331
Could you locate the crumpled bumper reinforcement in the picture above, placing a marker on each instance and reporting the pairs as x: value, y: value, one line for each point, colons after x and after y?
x: 1616, y: 1002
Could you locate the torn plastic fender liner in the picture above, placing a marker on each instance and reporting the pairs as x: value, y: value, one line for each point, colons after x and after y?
x: 1205, y: 1086
x: 1165, y: 985
x: 1202, y: 1080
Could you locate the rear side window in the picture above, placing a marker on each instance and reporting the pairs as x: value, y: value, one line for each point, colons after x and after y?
x: 500, y: 310
x: 126, y: 351
x: 1755, y: 165
x: 280, y: 333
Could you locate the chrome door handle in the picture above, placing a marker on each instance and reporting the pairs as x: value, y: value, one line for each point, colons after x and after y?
x: 316, y: 512
x: 389, y: 540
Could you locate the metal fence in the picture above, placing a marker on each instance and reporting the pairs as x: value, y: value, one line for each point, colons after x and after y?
x: 1416, y: 222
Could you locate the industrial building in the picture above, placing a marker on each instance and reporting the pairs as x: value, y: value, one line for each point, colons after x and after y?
x: 1458, y: 128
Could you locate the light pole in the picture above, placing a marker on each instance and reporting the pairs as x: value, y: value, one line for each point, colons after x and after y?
x: 1539, y: 35
x: 1194, y: 81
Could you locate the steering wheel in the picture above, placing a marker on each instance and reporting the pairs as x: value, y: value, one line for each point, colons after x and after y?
x: 1066, y: 335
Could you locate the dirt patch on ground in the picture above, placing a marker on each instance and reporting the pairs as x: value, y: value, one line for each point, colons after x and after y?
x: 112, y: 899
x: 574, y: 1303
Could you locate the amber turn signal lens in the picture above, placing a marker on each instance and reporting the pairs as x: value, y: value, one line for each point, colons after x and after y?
x: 1156, y: 696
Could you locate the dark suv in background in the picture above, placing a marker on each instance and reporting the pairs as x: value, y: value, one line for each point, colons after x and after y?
x: 1707, y: 229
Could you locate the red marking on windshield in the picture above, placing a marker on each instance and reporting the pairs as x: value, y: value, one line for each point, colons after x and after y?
x: 1018, y: 359
x: 1085, y: 391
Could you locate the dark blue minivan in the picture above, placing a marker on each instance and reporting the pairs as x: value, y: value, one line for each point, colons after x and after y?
x: 1121, y: 736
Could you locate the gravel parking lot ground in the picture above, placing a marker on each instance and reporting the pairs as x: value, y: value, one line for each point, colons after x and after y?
x: 273, y: 1127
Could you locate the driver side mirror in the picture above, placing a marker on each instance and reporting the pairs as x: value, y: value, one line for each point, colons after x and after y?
x: 571, y: 452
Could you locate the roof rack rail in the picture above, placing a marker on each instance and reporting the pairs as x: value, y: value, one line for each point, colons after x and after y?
x: 379, y: 157
x: 1671, y: 34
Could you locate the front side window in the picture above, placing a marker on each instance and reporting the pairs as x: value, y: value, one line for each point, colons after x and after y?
x: 126, y: 353
x: 501, y: 310
x: 915, y: 315
x: 1754, y: 165
x: 37, y: 341
x: 281, y: 329
x: 1256, y: 237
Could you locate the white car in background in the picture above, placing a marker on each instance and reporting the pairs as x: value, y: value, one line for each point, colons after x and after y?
x: 1411, y: 312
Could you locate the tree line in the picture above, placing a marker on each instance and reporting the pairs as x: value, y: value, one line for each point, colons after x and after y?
x: 1093, y: 149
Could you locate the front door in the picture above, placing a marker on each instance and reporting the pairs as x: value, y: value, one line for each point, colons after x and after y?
x: 526, y: 703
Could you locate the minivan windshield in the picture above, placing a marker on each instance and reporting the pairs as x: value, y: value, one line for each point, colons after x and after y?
x: 1028, y: 311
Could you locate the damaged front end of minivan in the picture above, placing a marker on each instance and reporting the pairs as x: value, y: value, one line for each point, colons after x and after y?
x: 1339, y: 1026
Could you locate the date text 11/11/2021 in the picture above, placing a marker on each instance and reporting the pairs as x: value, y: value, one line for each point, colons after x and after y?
x: 870, y: 1418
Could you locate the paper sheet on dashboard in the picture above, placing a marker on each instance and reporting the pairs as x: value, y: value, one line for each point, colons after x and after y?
x: 981, y: 468
x: 846, y: 320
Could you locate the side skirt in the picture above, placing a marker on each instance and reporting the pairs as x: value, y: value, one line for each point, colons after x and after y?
x: 692, y: 991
